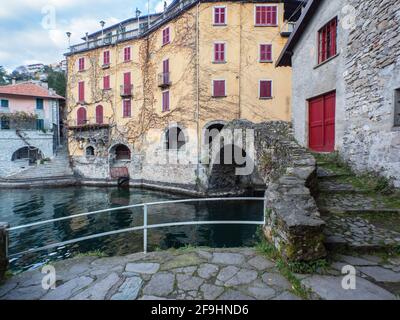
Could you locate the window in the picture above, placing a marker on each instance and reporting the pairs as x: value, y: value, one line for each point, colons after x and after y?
x: 106, y: 83
x: 81, y: 64
x: 99, y: 114
x: 106, y: 58
x: 266, y: 15
x: 265, y: 52
x: 165, y: 35
x: 122, y: 152
x: 127, y: 87
x: 81, y: 116
x: 327, y: 35
x: 89, y: 151
x: 4, y: 103
x: 39, y: 104
x: 39, y: 124
x: 165, y: 74
x: 174, y: 138
x: 81, y: 91
x: 165, y: 101
x: 397, y: 107
x: 127, y: 54
x: 219, y: 88
x: 219, y: 15
x: 5, y: 123
x: 127, y: 108
x: 265, y: 90
x: 219, y: 52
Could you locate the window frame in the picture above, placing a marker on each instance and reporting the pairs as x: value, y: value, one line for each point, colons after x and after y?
x: 129, y: 50
x: 213, y: 89
x: 81, y: 67
x: 108, y: 54
x: 260, y: 60
x: 214, y: 16
x: 320, y: 57
x: 168, y: 108
x: 214, y: 52
x: 37, y: 104
x: 164, y: 43
x: 266, y: 25
x: 123, y: 108
x: 7, y: 103
x: 109, y: 82
x: 259, y: 89
x: 81, y: 91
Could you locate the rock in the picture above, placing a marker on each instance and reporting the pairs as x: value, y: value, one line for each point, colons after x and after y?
x: 265, y: 293
x: 287, y: 296
x: 242, y: 277
x: 276, y: 280
x: 227, y: 273
x: 187, y: 282
x: 207, y: 271
x: 183, y: 260
x: 330, y: 288
x: 7, y: 287
x: 26, y: 293
x: 211, y: 292
x: 260, y: 263
x: 380, y: 274
x: 356, y: 261
x: 147, y: 268
x: 228, y: 258
x: 161, y: 284
x: 187, y: 270
x: 234, y: 295
x: 68, y: 289
x: 99, y: 289
x: 129, y: 290
x: 152, y: 298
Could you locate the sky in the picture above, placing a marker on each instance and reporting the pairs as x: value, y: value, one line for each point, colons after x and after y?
x: 34, y: 31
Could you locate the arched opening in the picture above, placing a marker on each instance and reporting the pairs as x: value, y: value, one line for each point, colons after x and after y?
x: 81, y: 116
x: 99, y: 114
x: 90, y: 151
x: 122, y: 152
x: 174, y: 138
x: 212, y: 131
x: 30, y: 154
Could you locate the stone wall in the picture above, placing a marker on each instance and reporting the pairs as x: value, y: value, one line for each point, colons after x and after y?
x: 11, y: 142
x: 370, y: 140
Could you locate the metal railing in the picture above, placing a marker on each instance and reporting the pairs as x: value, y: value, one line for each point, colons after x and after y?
x: 92, y: 121
x: 143, y: 227
x: 164, y: 79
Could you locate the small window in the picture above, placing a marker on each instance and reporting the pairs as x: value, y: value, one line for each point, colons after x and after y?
x: 81, y: 64
x: 265, y: 53
x: 219, y: 15
x: 165, y: 101
x: 39, y: 124
x: 265, y: 89
x: 99, y: 114
x: 4, y: 103
x: 165, y: 34
x: 106, y: 83
x: 5, y: 123
x: 39, y: 104
x: 106, y: 58
x: 266, y: 15
x: 327, y: 36
x: 81, y: 116
x: 127, y: 54
x: 397, y: 107
x: 219, y: 52
x: 90, y: 151
x: 219, y: 88
x: 127, y: 108
x: 81, y: 91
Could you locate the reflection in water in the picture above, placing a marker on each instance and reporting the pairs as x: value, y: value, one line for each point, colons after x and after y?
x: 19, y: 207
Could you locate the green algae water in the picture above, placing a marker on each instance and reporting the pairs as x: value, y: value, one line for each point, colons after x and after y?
x: 18, y: 207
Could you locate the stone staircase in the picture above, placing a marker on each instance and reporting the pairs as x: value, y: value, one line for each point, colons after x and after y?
x: 359, y: 214
x: 57, y: 168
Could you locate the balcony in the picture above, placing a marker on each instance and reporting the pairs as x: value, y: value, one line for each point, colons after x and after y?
x: 164, y: 80
x: 287, y: 29
x: 88, y: 124
x: 126, y: 90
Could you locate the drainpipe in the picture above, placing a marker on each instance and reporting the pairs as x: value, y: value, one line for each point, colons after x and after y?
x: 198, y: 92
x: 240, y: 63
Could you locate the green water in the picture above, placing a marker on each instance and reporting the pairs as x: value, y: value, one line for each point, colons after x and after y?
x: 19, y: 207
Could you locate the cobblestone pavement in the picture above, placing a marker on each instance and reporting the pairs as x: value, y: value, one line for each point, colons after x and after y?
x: 222, y: 274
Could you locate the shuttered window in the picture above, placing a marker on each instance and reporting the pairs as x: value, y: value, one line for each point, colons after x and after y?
x: 265, y: 53
x: 265, y: 89
x: 106, y: 58
x: 219, y: 52
x: 220, y: 15
x: 81, y: 64
x: 106, y: 82
x: 165, y: 101
x: 327, y: 46
x: 219, y: 88
x: 127, y: 54
x: 127, y: 108
x: 266, y: 16
x: 166, y: 38
x: 81, y: 91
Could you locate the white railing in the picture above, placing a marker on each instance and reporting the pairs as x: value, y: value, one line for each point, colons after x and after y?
x: 143, y: 227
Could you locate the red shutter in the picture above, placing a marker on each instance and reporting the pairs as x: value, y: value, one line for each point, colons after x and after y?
x: 258, y: 15
x: 166, y: 36
x: 106, y: 82
x: 265, y: 89
x: 81, y: 63
x: 219, y: 88
x: 266, y: 15
x: 265, y: 52
x: 99, y: 114
x: 81, y: 116
x: 127, y: 82
x: 219, y: 15
x: 81, y: 91
x: 327, y: 41
x: 127, y: 54
x: 127, y: 108
x: 219, y: 52
x: 106, y: 57
x: 165, y: 101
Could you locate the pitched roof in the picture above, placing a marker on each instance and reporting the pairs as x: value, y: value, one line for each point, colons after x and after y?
x: 28, y: 89
x: 285, y: 58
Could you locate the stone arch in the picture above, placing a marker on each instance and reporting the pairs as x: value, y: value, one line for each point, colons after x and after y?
x: 30, y: 153
x: 89, y: 151
x: 210, y: 129
x: 120, y: 151
x: 175, y: 137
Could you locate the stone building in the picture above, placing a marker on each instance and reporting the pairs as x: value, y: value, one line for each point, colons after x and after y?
x: 29, y: 126
x: 346, y: 82
x: 139, y: 101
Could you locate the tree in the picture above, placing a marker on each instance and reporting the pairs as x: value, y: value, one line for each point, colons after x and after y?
x: 56, y: 80
x: 3, y: 76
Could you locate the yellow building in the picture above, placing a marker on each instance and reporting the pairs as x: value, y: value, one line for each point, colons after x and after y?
x: 198, y: 65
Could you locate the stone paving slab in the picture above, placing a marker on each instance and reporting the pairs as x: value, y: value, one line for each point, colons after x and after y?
x: 193, y: 274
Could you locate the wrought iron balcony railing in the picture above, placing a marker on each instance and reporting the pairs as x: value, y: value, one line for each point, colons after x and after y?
x: 95, y: 122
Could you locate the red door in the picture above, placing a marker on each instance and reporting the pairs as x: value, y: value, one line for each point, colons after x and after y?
x: 322, y: 123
